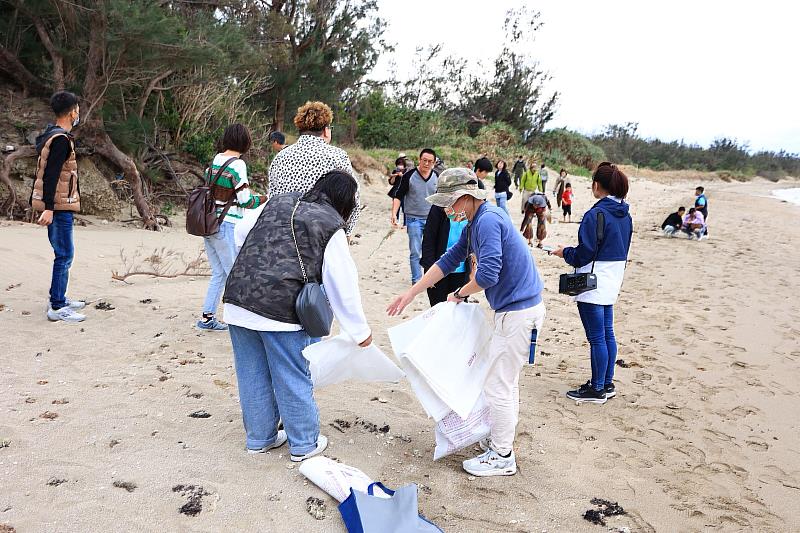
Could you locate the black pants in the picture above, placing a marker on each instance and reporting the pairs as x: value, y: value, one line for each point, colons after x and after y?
x: 439, y: 293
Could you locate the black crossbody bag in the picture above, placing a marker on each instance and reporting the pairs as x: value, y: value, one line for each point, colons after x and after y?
x: 574, y: 284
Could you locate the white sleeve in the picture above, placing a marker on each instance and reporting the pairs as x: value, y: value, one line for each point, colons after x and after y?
x: 340, y: 279
x: 246, y: 224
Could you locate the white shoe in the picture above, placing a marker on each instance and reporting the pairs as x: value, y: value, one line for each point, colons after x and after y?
x: 75, y: 305
x: 280, y: 440
x: 489, y: 463
x: 65, y: 313
x: 322, y: 443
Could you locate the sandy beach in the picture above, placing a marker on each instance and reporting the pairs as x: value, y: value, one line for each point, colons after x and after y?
x: 702, y: 436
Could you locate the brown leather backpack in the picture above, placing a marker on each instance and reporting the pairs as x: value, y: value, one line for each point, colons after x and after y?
x: 201, y: 206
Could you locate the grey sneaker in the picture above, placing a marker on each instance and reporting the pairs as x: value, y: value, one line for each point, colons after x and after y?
x: 279, y: 441
x: 66, y: 314
x: 322, y: 443
x: 212, y: 325
x: 490, y: 463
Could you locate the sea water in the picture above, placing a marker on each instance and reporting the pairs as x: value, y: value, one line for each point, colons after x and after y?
x: 789, y: 195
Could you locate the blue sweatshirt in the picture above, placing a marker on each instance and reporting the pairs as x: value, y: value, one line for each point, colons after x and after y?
x: 612, y: 255
x: 506, y: 270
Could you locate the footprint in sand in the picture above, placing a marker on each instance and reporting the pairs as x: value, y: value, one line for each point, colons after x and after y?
x: 757, y: 445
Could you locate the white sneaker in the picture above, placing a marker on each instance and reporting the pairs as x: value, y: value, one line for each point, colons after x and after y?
x: 485, y: 444
x: 490, y: 463
x: 322, y: 443
x: 279, y: 441
x: 65, y: 313
x: 75, y: 305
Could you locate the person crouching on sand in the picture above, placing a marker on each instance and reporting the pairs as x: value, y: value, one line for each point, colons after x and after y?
x: 507, y: 272
x: 260, y: 296
x: 607, y: 259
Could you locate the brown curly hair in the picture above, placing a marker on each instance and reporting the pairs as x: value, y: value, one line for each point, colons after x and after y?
x: 313, y: 117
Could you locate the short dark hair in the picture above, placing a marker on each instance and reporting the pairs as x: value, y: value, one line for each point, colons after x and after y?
x: 692, y: 210
x: 568, y: 185
x: 277, y: 137
x: 339, y: 188
x: 400, y: 161
x: 62, y: 102
x: 701, y: 189
x: 428, y: 151
x: 681, y: 208
x: 612, y: 179
x: 236, y: 138
x: 542, y: 165
x: 563, y: 170
x: 483, y: 164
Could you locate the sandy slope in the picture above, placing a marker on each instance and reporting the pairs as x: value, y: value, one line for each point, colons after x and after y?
x: 703, y: 434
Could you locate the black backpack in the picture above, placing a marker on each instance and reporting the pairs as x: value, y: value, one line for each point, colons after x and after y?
x: 201, y: 207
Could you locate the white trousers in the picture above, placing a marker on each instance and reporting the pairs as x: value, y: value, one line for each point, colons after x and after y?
x: 508, y: 352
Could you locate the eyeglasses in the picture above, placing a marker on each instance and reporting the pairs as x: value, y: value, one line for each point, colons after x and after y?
x: 426, y: 161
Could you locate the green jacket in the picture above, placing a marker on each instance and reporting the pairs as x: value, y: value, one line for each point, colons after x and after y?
x: 531, y: 181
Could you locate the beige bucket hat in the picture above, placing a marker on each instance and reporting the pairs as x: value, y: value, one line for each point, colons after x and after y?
x: 453, y: 184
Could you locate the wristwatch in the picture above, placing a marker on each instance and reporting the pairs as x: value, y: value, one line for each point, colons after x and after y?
x: 457, y: 294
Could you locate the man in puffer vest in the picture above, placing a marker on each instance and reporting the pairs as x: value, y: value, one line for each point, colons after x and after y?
x: 57, y: 196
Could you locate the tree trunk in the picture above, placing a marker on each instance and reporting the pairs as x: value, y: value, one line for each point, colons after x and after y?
x: 96, y: 136
x: 5, y: 171
x: 280, y: 111
x: 11, y: 64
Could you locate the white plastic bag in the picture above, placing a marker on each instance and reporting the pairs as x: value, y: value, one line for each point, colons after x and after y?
x: 336, y: 478
x: 447, y: 346
x: 454, y: 433
x: 339, y: 358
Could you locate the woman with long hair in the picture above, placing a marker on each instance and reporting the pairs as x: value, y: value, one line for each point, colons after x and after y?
x: 502, y: 184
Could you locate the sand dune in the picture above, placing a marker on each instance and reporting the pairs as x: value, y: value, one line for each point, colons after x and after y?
x: 702, y: 435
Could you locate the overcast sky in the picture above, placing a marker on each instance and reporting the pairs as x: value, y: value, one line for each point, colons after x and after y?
x: 692, y: 70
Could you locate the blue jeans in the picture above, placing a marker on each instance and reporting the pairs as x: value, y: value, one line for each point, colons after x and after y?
x: 60, y: 235
x: 221, y: 252
x: 502, y: 201
x: 274, y: 383
x: 415, y: 228
x: 598, y: 322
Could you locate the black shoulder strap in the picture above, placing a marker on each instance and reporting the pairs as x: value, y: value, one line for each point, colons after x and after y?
x: 232, y: 199
x: 601, y: 232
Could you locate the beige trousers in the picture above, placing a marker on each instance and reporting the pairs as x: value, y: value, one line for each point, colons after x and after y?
x: 508, y: 352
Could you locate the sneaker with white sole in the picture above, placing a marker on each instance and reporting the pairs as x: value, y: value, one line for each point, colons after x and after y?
x: 212, y: 325
x: 587, y: 394
x: 65, y: 314
x: 485, y: 444
x: 280, y: 440
x: 491, y: 463
x: 322, y: 443
x: 75, y: 305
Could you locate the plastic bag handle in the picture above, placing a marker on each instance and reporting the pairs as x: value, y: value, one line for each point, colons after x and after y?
x: 371, y: 489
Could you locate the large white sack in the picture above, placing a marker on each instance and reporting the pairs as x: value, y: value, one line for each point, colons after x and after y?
x: 435, y: 407
x: 339, y: 358
x: 454, y: 433
x: 336, y: 478
x: 448, y: 347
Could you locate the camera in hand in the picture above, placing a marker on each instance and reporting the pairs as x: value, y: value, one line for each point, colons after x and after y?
x: 575, y: 284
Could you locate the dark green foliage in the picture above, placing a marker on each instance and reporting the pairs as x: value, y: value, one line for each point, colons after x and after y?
x: 561, y: 145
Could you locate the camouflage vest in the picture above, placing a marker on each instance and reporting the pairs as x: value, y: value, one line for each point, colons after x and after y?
x: 266, y: 277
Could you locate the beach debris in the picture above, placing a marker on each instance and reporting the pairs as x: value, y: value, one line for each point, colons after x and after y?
x: 13, y: 286
x: 200, y: 414
x: 340, y: 425
x: 61, y: 401
x: 274, y: 498
x: 5, y: 443
x: 56, y: 481
x: 316, y: 507
x: 30, y: 400
x: 127, y: 485
x: 26, y: 313
x: 624, y: 364
x: 113, y: 443
x: 2, y: 307
x: 146, y: 301
x: 195, y: 494
x: 604, y: 509
x: 222, y: 384
x: 5, y: 528
x: 49, y: 415
x: 102, y: 305
x: 672, y: 406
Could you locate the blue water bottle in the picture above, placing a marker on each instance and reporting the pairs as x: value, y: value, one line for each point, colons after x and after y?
x: 532, y: 354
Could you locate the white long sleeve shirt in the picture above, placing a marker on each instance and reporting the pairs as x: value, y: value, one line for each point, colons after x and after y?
x: 339, y: 278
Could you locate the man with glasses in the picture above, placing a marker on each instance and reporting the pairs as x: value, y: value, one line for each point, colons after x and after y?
x: 415, y: 187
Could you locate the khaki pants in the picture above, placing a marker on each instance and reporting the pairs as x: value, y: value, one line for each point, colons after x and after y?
x: 508, y: 352
x: 524, y: 195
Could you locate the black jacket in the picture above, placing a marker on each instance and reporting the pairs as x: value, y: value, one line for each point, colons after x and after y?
x: 502, y: 181
x: 674, y: 219
x: 434, y: 238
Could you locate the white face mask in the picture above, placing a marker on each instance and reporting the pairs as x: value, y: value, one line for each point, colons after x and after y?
x: 76, y: 121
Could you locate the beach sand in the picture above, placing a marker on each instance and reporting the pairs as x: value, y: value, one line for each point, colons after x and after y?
x: 701, y: 436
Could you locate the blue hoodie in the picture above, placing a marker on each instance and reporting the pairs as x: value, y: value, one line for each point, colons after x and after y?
x: 612, y: 255
x: 506, y: 270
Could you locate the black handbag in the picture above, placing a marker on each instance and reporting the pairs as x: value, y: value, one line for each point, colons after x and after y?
x: 574, y: 284
x: 509, y: 194
x: 312, y: 306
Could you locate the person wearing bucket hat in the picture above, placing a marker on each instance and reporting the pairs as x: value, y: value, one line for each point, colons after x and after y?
x: 504, y: 268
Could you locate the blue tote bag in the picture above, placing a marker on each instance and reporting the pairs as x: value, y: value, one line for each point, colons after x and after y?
x: 399, y: 513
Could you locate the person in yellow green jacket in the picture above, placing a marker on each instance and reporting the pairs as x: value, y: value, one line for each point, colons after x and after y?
x: 531, y: 182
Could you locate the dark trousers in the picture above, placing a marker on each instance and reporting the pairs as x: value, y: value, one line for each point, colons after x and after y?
x: 598, y: 322
x: 60, y: 235
x: 439, y: 292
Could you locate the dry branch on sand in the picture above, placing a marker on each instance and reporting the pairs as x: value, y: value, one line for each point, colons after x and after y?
x: 161, y: 263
